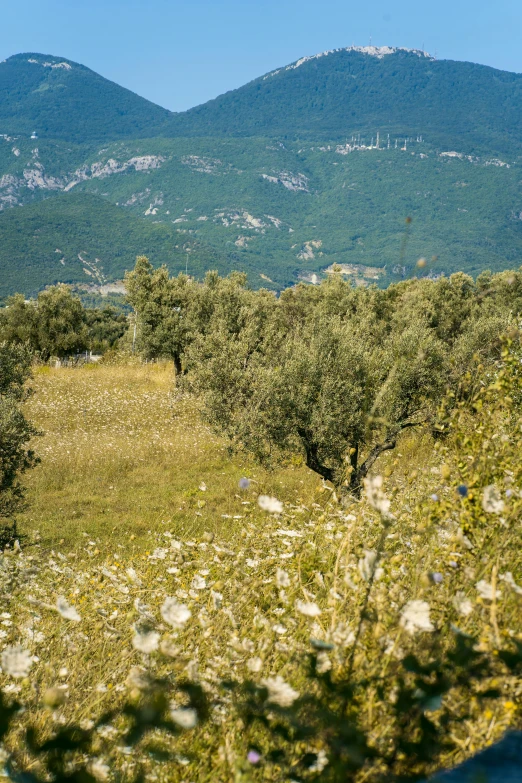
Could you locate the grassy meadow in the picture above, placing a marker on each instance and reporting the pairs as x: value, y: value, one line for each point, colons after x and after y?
x: 124, y: 459
x: 136, y: 503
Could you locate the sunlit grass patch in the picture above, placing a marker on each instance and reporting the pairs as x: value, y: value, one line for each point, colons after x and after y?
x: 123, y: 455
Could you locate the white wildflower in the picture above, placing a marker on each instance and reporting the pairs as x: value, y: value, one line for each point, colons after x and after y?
x: 279, y: 692
x: 320, y: 762
x: 492, y: 502
x: 99, y: 769
x: 185, y: 717
x: 278, y: 628
x: 272, y: 505
x: 66, y: 610
x: 138, y: 678
x: 508, y: 579
x: 310, y: 609
x: 217, y: 599
x: 255, y: 664
x: 462, y: 604
x: 146, y: 642
x: 16, y: 661
x: 133, y: 576
x: 282, y: 578
x: 203, y: 487
x: 324, y: 663
x: 343, y: 635
x: 198, y: 583
x: 376, y: 497
x: 485, y: 590
x: 416, y: 617
x: 174, y: 613
x: 169, y: 647
x: 368, y: 566
x: 159, y: 554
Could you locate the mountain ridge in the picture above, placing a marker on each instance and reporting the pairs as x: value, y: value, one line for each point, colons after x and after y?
x: 316, y: 163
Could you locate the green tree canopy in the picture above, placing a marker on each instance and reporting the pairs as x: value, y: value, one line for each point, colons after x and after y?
x: 15, y: 430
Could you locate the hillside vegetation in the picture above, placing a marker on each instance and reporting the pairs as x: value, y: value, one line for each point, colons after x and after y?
x: 60, y: 99
x: 407, y: 93
x: 292, y: 554
x: 320, y: 162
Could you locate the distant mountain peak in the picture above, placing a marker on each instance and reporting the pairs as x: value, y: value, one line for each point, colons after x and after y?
x: 373, y: 51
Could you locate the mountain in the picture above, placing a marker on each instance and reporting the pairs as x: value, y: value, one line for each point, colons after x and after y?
x: 80, y: 239
x: 333, y: 95
x: 318, y: 163
x: 60, y: 99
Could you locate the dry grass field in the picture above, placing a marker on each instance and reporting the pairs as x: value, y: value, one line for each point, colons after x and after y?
x: 141, y: 555
x: 124, y: 458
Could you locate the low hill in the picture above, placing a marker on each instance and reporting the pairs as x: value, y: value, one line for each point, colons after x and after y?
x: 365, y: 89
x: 80, y: 238
x: 60, y: 99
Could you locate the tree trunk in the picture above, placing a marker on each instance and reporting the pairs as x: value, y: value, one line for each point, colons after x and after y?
x: 312, y: 460
x: 177, y: 364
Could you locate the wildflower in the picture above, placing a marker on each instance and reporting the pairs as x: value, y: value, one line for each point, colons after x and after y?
x: 217, y: 599
x: 244, y: 483
x: 198, y: 583
x: 138, y: 678
x: 309, y: 609
x: 185, y: 717
x: 435, y: 498
x: 462, y: 490
x: 279, y: 692
x: 253, y: 757
x: 462, y: 604
x: 16, y: 661
x: 255, y: 664
x: 203, y: 487
x: 282, y: 578
x: 174, y: 613
x: 278, y: 628
x: 492, y: 502
x: 146, y: 642
x: 485, y: 590
x: 508, y: 579
x: 343, y: 635
x: 324, y: 663
x: 321, y: 761
x: 133, y: 576
x: 67, y: 611
x: 367, y: 566
x: 99, y: 769
x: 376, y: 497
x: 272, y: 505
x: 436, y: 578
x: 169, y: 648
x: 416, y: 617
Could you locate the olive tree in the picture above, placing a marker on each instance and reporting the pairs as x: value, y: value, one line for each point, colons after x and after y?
x: 54, y: 324
x: 173, y: 312
x: 15, y: 431
x: 337, y: 391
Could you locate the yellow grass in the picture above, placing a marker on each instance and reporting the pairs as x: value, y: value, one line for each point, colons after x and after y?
x: 123, y: 455
x: 130, y: 490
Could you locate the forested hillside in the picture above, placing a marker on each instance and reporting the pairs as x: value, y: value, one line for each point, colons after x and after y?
x: 361, y: 90
x: 61, y: 99
x: 385, y: 161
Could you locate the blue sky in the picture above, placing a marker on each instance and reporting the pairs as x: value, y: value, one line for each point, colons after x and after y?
x: 180, y: 53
